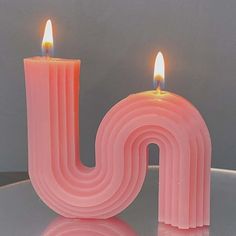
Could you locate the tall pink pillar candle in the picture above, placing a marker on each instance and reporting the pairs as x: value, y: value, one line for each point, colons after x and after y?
x: 74, y: 190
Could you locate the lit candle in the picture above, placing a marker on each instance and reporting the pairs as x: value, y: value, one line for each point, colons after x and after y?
x: 74, y: 190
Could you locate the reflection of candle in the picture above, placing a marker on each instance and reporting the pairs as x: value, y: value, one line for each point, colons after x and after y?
x: 112, y: 227
x: 177, y: 127
x: 160, y: 117
x: 159, y: 73
x: 71, y: 227
x: 167, y: 230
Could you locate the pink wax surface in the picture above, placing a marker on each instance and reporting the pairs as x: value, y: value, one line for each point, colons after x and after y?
x: 76, y: 191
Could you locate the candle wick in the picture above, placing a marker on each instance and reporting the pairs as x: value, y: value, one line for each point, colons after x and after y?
x: 47, y: 49
x: 157, y: 86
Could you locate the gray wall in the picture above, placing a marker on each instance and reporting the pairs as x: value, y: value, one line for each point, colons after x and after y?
x: 117, y: 42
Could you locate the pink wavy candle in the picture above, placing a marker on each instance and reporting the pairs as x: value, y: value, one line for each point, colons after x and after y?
x: 74, y: 190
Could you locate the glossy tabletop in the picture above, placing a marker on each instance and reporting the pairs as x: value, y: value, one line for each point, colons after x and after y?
x: 22, y: 213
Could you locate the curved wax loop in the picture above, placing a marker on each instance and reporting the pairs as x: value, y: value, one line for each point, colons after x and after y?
x: 74, y: 190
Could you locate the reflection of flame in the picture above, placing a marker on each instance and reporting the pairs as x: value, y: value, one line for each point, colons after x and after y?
x: 159, y: 72
x: 71, y: 227
x: 47, y: 42
x: 167, y: 230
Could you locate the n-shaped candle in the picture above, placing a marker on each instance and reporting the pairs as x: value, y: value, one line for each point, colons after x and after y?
x: 74, y: 190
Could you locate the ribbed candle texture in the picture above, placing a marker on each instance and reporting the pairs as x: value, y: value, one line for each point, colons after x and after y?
x: 76, y: 191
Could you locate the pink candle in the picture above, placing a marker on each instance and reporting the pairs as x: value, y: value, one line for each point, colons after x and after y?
x: 74, y: 190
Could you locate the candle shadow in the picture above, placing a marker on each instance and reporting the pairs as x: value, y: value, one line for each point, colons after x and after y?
x: 168, y: 230
x: 71, y: 227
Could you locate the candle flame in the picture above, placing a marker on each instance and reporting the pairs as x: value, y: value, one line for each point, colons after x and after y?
x: 47, y: 42
x: 159, y: 72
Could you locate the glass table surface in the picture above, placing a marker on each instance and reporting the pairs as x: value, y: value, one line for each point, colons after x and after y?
x: 22, y: 213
